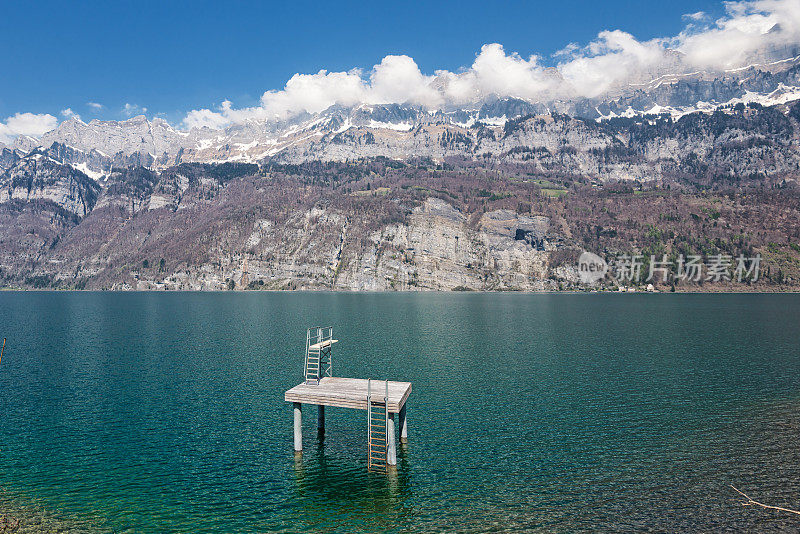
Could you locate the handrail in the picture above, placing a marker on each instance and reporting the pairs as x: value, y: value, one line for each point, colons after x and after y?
x: 319, y: 341
x: 305, y: 362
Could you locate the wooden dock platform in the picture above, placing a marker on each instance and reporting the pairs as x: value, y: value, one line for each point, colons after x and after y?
x: 347, y: 393
x: 381, y: 399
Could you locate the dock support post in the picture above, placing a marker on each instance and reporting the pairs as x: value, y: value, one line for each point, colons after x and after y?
x: 320, y: 420
x: 298, y: 428
x: 391, y: 446
x: 403, y: 422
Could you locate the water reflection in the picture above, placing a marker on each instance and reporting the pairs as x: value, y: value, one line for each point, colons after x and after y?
x: 331, y: 490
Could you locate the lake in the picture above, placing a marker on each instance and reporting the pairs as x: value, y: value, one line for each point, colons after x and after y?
x: 164, y: 412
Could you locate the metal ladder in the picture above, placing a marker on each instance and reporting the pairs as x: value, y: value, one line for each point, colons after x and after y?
x: 319, y: 342
x: 377, y: 425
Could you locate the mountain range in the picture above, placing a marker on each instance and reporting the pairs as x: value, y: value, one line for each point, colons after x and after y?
x: 493, y: 195
x: 403, y: 131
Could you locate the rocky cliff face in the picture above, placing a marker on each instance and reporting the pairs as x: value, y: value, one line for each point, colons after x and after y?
x: 377, y: 225
x: 439, y: 249
x: 200, y: 227
x: 38, y: 177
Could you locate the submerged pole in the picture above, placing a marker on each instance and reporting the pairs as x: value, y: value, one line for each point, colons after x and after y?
x: 403, y: 422
x: 320, y: 420
x: 298, y: 428
x: 391, y: 446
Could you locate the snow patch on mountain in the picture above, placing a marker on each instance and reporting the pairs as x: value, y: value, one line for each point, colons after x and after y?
x: 494, y: 121
x: 399, y: 127
x: 84, y: 168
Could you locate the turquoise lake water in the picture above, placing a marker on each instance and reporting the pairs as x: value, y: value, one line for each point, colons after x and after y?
x: 164, y: 412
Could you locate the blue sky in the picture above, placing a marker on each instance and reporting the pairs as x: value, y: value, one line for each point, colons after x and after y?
x: 172, y: 57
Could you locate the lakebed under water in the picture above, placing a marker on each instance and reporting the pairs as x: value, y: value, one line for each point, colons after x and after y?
x: 164, y: 412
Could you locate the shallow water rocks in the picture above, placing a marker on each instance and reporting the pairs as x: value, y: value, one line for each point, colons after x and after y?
x: 8, y: 524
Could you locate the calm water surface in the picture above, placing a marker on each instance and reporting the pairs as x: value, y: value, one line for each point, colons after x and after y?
x: 553, y: 413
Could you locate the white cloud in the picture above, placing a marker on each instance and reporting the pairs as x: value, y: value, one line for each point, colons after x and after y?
x: 132, y: 109
x: 205, y: 118
x: 698, y: 16
x: 315, y: 92
x: 615, y: 57
x: 26, y: 124
x: 69, y: 114
x: 95, y: 106
x: 749, y: 32
x: 496, y: 72
x: 397, y: 79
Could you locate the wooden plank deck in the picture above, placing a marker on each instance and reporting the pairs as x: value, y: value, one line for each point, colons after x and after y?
x: 322, y: 344
x: 349, y: 393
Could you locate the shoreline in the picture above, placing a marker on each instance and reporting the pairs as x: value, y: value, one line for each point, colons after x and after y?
x: 667, y: 291
x: 20, y: 519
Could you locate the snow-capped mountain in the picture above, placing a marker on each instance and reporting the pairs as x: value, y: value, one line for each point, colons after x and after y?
x: 397, y: 131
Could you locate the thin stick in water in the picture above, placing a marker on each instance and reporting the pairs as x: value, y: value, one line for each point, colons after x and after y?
x: 751, y: 502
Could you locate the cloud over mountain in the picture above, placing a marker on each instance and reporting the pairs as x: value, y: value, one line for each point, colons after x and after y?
x: 750, y: 31
x: 26, y: 124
